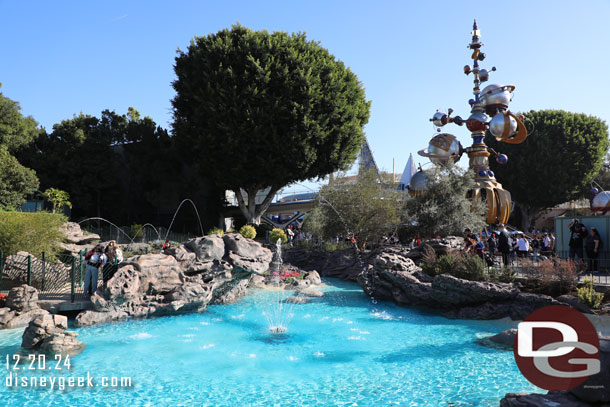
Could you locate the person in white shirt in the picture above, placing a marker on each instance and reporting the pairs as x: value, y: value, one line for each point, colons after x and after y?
x: 523, y: 246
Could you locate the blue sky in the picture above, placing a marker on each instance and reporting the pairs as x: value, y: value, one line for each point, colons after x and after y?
x: 61, y: 58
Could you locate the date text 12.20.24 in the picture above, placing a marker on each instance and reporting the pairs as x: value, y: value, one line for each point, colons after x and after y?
x: 37, y: 362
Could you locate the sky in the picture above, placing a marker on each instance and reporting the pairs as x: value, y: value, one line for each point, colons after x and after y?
x: 65, y: 57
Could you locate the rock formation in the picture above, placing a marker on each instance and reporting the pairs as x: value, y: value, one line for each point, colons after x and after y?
x: 75, y: 239
x: 48, y: 334
x: 210, y: 269
x: 21, y: 307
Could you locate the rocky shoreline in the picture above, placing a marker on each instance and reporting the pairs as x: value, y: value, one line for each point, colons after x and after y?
x: 390, y: 273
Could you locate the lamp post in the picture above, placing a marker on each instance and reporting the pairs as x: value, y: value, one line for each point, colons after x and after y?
x: 489, y: 111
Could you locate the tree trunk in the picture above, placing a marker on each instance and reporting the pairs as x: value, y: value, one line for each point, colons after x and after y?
x: 528, y: 216
x: 253, y: 212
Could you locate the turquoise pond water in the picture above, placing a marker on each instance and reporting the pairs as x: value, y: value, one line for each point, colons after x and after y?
x: 340, y: 350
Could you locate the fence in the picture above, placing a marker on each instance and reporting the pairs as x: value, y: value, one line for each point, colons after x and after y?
x: 60, y: 277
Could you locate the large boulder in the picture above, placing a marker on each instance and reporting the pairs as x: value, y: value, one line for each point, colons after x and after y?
x: 158, y: 273
x: 396, y: 285
x: 246, y: 254
x: 88, y: 318
x: 22, y: 298
x: 124, y: 286
x: 47, y: 334
x: 452, y: 291
x: 207, y: 248
x: 73, y: 234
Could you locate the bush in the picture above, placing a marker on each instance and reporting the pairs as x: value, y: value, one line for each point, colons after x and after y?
x: 587, y: 294
x: 31, y: 232
x: 248, y: 231
x: 558, y: 277
x: 277, y: 233
x: 216, y: 231
x: 455, y: 264
x: 473, y: 268
x: 508, y: 275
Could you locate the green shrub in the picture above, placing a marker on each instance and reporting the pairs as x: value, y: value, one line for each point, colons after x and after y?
x: 473, y: 268
x: 136, y: 230
x: 216, y: 231
x: 277, y: 233
x: 31, y: 232
x: 248, y: 231
x: 450, y: 264
x: 508, y: 275
x: 587, y: 294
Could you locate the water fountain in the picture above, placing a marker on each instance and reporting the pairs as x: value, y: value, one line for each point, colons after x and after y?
x: 176, y: 213
x: 276, y: 310
x: 110, y: 223
x: 142, y: 231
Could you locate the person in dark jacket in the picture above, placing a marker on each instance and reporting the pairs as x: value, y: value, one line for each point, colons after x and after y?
x: 593, y: 246
x: 578, y: 234
x: 504, y: 244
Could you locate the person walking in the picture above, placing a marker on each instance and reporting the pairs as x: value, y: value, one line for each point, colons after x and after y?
x: 97, y: 260
x: 593, y: 245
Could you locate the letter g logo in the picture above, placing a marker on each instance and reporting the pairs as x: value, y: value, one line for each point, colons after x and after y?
x: 557, y: 348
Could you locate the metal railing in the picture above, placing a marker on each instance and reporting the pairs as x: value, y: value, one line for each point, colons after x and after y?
x: 58, y: 277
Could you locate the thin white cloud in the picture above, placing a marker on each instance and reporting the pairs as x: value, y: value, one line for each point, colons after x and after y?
x: 120, y: 17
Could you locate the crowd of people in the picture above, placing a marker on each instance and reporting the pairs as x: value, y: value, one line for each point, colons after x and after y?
x: 104, y: 258
x: 509, y: 246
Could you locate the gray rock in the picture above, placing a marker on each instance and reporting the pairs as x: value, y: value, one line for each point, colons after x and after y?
x: 73, y: 234
x: 207, y: 248
x: 47, y: 334
x: 124, y: 286
x: 246, y: 254
x: 88, y: 318
x: 6, y: 314
x: 158, y: 273
x: 24, y: 318
x: 551, y: 399
x: 400, y: 286
x: 452, y: 291
x: 297, y: 300
x: 313, y: 277
x: 504, y: 340
x: 230, y: 292
x: 596, y: 389
x: 23, y: 298
x: 312, y: 293
x: 575, y: 303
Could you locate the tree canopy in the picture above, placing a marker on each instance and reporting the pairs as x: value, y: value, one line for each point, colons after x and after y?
x: 255, y: 109
x: 15, y: 130
x: 555, y: 164
x: 16, y: 181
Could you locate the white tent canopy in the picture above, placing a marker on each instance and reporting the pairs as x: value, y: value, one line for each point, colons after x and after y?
x: 407, y: 174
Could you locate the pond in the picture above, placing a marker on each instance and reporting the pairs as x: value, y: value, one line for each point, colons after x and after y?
x: 339, y: 350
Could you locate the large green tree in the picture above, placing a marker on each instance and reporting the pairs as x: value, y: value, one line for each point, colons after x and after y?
x: 16, y: 181
x: 555, y: 164
x: 16, y: 131
x: 256, y: 110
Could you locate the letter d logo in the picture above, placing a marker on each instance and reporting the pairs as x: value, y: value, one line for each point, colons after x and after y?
x: 557, y: 348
